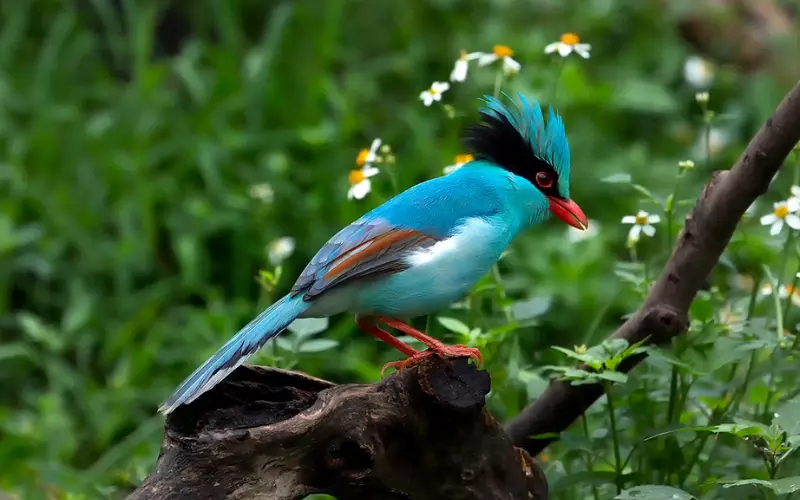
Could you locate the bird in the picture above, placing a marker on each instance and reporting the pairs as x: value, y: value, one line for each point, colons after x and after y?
x: 426, y: 247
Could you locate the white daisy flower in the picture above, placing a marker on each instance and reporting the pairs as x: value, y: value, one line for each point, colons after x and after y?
x: 698, y: 72
x: 569, y: 43
x: 262, y: 192
x: 434, y: 93
x: 499, y: 52
x: 575, y: 235
x: 280, y: 250
x: 458, y: 162
x: 461, y: 68
x: 783, y: 211
x: 642, y: 223
x: 784, y: 292
x: 360, y: 185
x: 369, y: 156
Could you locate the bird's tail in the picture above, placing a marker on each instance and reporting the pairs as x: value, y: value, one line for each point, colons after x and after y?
x: 244, y: 344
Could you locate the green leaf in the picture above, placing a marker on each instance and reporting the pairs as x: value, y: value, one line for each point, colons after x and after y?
x: 586, y: 357
x: 615, y: 377
x: 782, y: 486
x: 453, y: 325
x: 653, y: 492
x: 305, y: 327
x: 530, y: 308
x: 618, y: 179
x: 318, y: 345
x: 744, y: 429
x: 787, y: 416
x: 40, y: 332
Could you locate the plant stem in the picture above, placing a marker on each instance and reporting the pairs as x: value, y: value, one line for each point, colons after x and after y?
x: 778, y: 321
x: 589, y: 461
x: 615, y: 439
x: 554, y: 88
x: 498, y: 83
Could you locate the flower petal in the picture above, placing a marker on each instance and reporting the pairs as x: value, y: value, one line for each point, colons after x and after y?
x: 451, y: 168
x: 768, y: 219
x: 486, y: 59
x: 459, y: 73
x: 654, y: 219
x: 440, y: 87
x: 510, y: 66
x: 633, y: 234
x: 649, y: 230
x: 795, y: 190
x: 793, y: 204
x: 426, y: 98
x: 552, y: 47
x: 582, y: 49
x: 642, y: 214
x: 776, y: 227
x: 793, y: 221
x: 564, y: 50
x: 361, y: 189
x: 370, y: 172
x: 629, y: 219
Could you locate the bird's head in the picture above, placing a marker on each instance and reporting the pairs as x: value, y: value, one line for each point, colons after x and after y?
x: 519, y: 141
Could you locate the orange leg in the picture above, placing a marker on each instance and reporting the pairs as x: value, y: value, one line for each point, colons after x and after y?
x: 370, y: 327
x: 434, y: 347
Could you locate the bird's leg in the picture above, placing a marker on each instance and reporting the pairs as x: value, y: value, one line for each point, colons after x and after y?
x: 434, y: 347
x: 373, y: 329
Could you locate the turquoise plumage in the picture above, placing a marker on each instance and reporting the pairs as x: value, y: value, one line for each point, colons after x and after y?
x: 427, y: 246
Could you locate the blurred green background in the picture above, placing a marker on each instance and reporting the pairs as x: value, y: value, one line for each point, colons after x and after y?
x: 132, y: 135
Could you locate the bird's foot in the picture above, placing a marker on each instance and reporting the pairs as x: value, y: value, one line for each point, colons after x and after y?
x: 441, y: 350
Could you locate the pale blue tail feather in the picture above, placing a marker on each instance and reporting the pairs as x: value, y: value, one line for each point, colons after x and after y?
x: 244, y: 344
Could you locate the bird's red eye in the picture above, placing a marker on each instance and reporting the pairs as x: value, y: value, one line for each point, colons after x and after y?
x: 544, y: 180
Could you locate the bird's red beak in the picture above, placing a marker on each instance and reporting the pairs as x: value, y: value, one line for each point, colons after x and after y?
x: 569, y: 212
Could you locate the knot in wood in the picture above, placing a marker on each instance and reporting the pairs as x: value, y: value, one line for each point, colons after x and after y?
x: 664, y: 322
x: 348, y: 458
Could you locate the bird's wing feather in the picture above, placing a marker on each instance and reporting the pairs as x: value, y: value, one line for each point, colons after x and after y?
x: 367, y: 247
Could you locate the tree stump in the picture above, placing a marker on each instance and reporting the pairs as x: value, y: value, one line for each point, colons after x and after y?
x: 269, y: 434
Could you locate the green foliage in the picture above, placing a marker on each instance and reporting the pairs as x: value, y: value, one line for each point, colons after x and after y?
x: 143, y: 192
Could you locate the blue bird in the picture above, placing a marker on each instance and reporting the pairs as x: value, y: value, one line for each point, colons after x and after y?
x: 426, y: 247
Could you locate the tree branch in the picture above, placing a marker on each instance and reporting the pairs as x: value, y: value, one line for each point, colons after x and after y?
x: 269, y: 434
x: 664, y: 313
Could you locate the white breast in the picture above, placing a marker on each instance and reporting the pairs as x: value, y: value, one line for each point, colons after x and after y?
x: 475, y: 238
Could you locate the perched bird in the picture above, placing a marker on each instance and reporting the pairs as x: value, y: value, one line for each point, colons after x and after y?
x: 427, y: 246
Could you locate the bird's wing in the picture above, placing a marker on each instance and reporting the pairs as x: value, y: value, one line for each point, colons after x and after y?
x: 367, y: 247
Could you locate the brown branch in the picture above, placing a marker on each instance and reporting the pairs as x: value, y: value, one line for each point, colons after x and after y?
x: 270, y: 434
x: 664, y: 313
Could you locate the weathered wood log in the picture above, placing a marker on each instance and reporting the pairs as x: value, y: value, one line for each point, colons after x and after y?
x: 270, y: 434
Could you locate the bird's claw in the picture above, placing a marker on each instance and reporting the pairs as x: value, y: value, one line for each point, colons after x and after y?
x: 444, y: 351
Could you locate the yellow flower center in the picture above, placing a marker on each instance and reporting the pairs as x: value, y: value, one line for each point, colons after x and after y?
x: 464, y: 158
x: 361, y: 159
x: 356, y: 176
x: 781, y: 211
x: 463, y: 56
x: 790, y: 290
x: 570, y: 39
x: 502, y: 51
x: 641, y: 220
